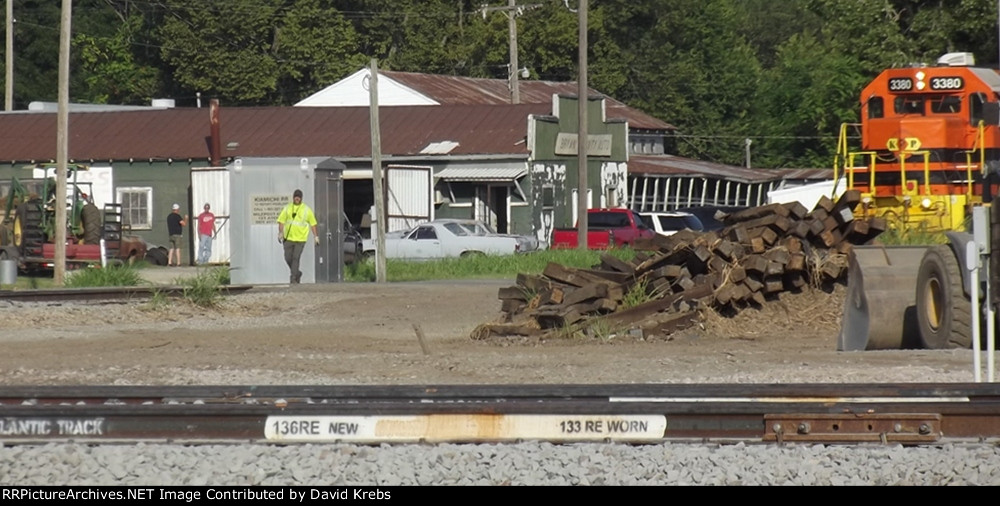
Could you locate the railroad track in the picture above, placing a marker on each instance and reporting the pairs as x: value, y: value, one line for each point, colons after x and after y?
x: 105, y: 293
x: 909, y: 414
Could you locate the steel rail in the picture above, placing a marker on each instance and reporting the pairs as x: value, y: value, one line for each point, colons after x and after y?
x: 106, y: 293
x: 912, y: 414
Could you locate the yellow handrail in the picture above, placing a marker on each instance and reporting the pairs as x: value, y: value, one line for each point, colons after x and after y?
x: 981, y: 143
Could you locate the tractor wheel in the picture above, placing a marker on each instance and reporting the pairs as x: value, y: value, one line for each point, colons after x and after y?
x: 91, y: 218
x: 28, y: 232
x: 944, y: 314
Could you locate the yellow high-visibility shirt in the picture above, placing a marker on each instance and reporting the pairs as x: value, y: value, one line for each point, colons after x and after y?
x: 297, y: 219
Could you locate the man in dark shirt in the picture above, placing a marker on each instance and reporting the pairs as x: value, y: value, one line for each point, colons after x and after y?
x: 175, y: 227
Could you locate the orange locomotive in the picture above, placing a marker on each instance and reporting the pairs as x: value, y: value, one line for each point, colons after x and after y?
x: 929, y: 140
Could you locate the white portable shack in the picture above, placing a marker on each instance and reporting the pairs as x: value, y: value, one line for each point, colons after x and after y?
x: 260, y: 189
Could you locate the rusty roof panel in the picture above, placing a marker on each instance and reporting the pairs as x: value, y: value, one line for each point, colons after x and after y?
x: 269, y: 131
x: 673, y: 165
x: 451, y: 90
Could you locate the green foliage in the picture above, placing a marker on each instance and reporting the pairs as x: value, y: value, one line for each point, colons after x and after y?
x: 110, y: 68
x: 112, y: 275
x: 158, y: 301
x: 205, y: 289
x: 638, y: 294
x: 482, y: 267
x: 784, y: 74
x: 278, y: 52
x: 603, y: 330
x: 911, y: 237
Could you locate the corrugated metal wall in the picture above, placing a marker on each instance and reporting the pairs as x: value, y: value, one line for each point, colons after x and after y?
x: 409, y: 197
x: 211, y: 185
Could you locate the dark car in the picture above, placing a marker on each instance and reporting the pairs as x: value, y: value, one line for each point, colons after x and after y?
x: 352, y: 243
x: 707, y: 215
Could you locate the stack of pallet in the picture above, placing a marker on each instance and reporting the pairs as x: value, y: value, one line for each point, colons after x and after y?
x: 761, y: 252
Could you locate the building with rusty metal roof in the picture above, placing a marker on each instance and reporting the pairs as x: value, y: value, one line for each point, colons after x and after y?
x: 658, y: 181
x: 511, y: 165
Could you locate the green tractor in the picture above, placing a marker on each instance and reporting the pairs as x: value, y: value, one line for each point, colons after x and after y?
x: 28, y: 227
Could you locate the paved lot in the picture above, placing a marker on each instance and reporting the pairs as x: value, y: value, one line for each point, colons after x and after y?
x: 162, y: 275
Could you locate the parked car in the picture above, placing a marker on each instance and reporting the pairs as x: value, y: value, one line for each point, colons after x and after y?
x: 606, y: 228
x: 478, y: 227
x: 668, y: 223
x: 353, y: 248
x: 707, y: 215
x: 444, y: 238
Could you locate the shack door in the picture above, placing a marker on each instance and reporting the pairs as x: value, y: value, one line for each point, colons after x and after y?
x: 408, y: 198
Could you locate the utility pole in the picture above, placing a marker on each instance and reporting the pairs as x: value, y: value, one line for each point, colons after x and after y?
x: 62, y: 143
x: 512, y: 10
x: 8, y: 96
x: 581, y: 139
x: 380, y: 209
x: 748, y: 142
x: 512, y: 71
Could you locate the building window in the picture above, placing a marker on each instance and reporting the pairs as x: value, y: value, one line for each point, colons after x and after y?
x: 137, y: 207
x: 548, y: 197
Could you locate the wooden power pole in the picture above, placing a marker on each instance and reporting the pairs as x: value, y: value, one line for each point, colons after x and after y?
x: 380, y: 209
x: 512, y: 10
x: 581, y: 139
x: 62, y: 144
x: 8, y: 95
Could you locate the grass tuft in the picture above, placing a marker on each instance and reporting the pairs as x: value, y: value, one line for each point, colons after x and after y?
x: 205, y: 289
x: 483, y: 266
x: 112, y: 275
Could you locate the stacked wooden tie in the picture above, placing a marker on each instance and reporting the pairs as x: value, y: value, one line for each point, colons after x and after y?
x: 760, y: 253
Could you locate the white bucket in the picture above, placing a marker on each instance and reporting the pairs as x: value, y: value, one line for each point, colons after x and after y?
x: 8, y: 272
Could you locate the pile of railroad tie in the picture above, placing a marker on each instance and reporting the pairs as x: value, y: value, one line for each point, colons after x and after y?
x: 761, y: 252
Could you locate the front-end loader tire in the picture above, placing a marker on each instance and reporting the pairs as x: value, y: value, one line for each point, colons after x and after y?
x: 944, y: 314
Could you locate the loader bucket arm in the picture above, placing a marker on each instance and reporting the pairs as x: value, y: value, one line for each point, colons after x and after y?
x: 880, y: 311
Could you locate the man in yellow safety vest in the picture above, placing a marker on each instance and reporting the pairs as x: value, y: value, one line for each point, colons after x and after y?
x: 294, y: 223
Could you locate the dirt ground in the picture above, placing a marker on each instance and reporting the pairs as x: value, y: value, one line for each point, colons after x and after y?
x: 370, y: 333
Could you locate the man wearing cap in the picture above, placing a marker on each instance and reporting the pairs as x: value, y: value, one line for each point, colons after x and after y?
x: 206, y: 231
x: 294, y: 223
x: 175, y: 228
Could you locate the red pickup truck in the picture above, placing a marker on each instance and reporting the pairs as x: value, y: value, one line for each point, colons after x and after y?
x: 606, y: 228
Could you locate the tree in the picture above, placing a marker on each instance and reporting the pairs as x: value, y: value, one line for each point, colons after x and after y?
x: 110, y: 65
x: 278, y: 52
x: 693, y: 69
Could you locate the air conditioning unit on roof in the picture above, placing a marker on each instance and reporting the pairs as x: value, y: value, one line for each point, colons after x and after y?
x: 957, y: 60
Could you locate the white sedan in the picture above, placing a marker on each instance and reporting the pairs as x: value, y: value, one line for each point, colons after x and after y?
x: 445, y: 238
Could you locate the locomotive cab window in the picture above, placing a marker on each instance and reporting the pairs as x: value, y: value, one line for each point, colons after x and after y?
x: 876, y: 107
x: 909, y: 105
x: 976, y: 103
x: 948, y: 104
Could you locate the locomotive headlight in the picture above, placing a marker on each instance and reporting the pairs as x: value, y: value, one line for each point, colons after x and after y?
x: 921, y: 85
x: 925, y: 203
x: 920, y: 80
x: 921, y: 75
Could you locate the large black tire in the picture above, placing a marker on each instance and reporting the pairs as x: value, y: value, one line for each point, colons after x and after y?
x: 28, y: 232
x: 943, y: 312
x: 91, y: 218
x: 157, y: 256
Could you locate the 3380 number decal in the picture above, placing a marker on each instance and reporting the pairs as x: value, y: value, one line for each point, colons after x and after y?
x: 946, y: 83
x: 900, y: 84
